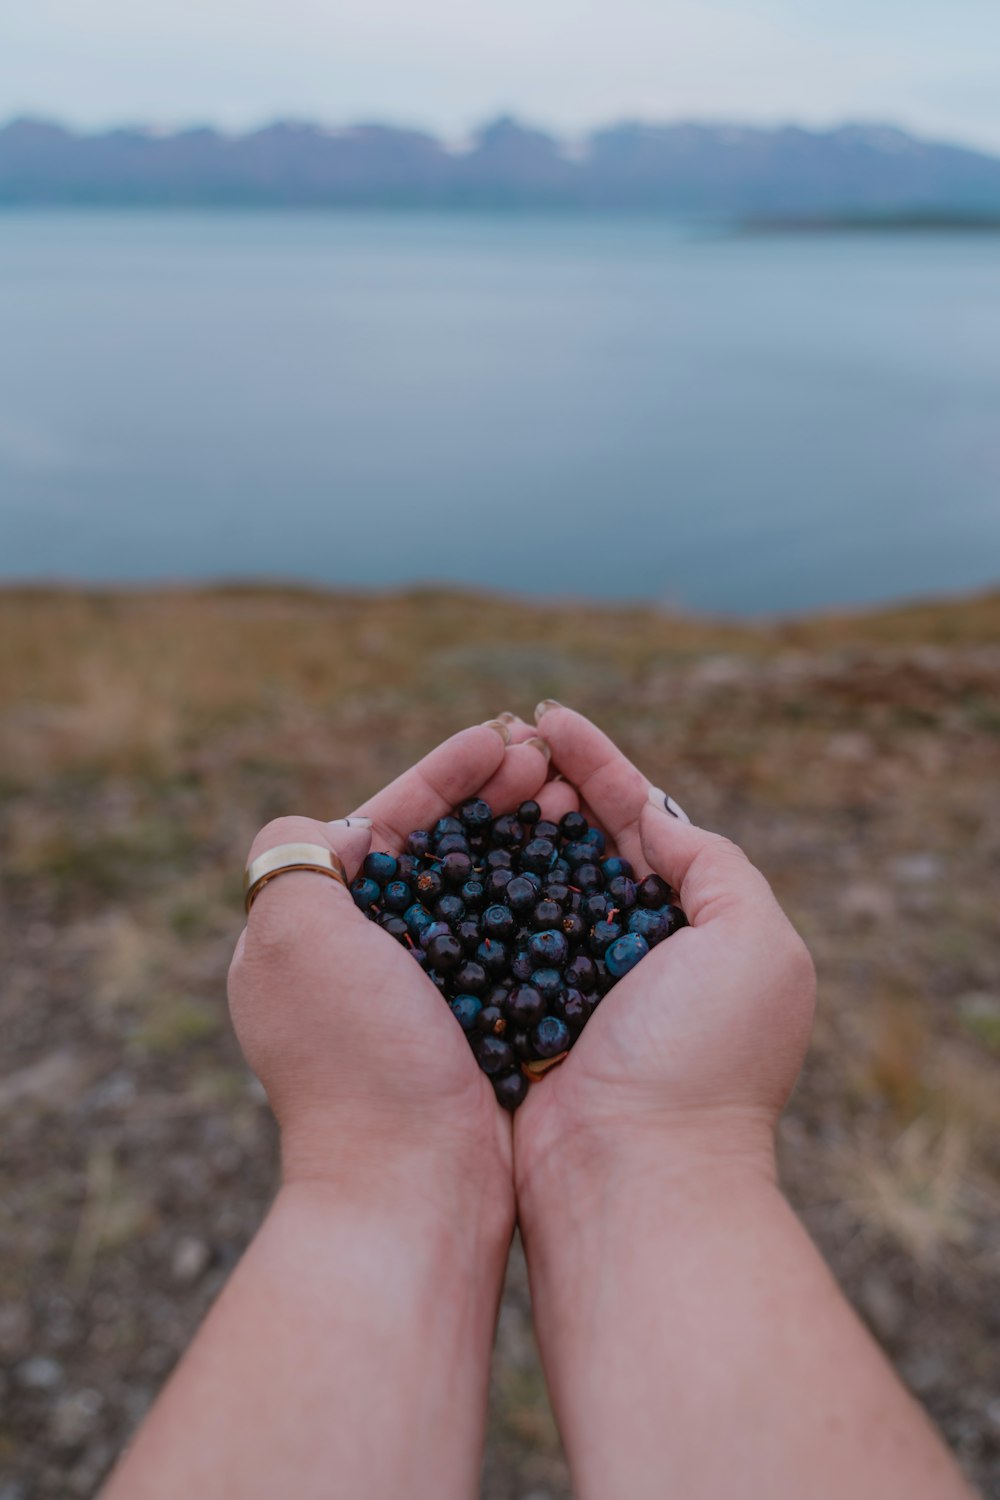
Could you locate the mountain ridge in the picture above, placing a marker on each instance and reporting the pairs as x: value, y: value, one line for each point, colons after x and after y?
x: 685, y: 167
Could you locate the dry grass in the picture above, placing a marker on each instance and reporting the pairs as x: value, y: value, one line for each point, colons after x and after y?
x: 144, y: 737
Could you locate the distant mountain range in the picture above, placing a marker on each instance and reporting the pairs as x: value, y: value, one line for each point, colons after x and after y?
x: 856, y: 172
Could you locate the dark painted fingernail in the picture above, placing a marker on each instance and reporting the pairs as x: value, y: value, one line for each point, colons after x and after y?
x: 661, y: 800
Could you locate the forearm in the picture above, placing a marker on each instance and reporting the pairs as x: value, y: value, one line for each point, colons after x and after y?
x: 696, y: 1344
x: 348, y: 1355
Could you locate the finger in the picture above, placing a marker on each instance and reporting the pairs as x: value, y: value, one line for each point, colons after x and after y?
x: 605, y: 779
x: 711, y: 875
x: 521, y: 776
x: 520, y: 729
x: 296, y: 896
x: 557, y: 798
x: 447, y: 776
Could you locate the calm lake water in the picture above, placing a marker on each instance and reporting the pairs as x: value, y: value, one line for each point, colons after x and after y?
x: 570, y: 406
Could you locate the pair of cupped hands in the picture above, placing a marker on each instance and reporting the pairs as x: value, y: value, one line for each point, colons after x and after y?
x: 372, y: 1081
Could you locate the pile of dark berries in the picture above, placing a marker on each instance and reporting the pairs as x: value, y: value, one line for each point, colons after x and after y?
x: 523, y: 925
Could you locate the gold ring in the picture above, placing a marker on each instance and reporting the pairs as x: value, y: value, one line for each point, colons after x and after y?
x: 290, y: 857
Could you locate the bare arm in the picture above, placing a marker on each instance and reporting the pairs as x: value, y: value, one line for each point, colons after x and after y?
x: 695, y: 1343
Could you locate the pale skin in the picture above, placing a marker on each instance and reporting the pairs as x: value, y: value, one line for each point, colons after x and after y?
x: 694, y: 1343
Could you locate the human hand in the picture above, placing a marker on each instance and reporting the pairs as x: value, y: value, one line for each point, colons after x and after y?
x: 697, y: 1048
x: 371, y: 1080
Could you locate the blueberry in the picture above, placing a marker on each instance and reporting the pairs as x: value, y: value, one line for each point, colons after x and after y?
x: 419, y: 843
x: 394, y: 926
x: 434, y: 929
x: 578, y: 853
x: 472, y: 977
x: 476, y: 815
x: 560, y: 870
x: 596, y: 837
x: 465, y: 1009
x: 508, y: 831
x: 510, y: 1089
x: 524, y: 1005
x: 602, y: 935
x: 490, y: 1021
x: 595, y: 907
x: 500, y: 859
x: 549, y: 949
x: 521, y: 965
x: 674, y: 919
x: 365, y: 892
x: 545, y: 829
x: 548, y: 983
x: 572, y: 826
x: 521, y: 1042
x: 555, y: 890
x: 380, y: 867
x: 469, y: 933
x: 444, y: 826
x: 473, y: 893
x: 622, y: 892
x: 449, y: 908
x: 497, y: 995
x: 546, y: 914
x: 494, y: 1055
x: 574, y: 927
x: 496, y: 883
x: 492, y: 954
x: 588, y: 878
x: 417, y: 919
x: 551, y: 1036
x: 456, y: 868
x: 653, y: 891
x: 444, y: 953
x: 613, y: 866
x: 647, y: 924
x: 409, y: 868
x: 625, y: 953
x: 521, y: 894
x: 575, y: 1009
x: 529, y: 813
x: 538, y: 855
x: 397, y: 895
x: 581, y: 973
x: 499, y: 921
x: 429, y: 886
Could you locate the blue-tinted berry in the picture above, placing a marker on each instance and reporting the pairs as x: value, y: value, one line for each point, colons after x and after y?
x: 380, y: 867
x: 560, y: 870
x: 508, y: 831
x: 549, y: 949
x: 397, y: 896
x: 417, y: 919
x: 647, y: 924
x: 394, y: 925
x: 452, y: 843
x: 499, y: 921
x: 578, y: 853
x: 450, y: 908
x: 465, y: 1009
x: 494, y: 1055
x: 595, y: 906
x: 476, y: 815
x: 492, y: 954
x: 548, y: 983
x: 469, y: 933
x: 602, y: 935
x: 445, y: 826
x: 624, y: 954
x: 473, y: 893
x: 434, y: 929
x: 418, y: 843
x: 546, y: 829
x: 521, y: 894
x: 596, y: 837
x: 622, y: 892
x: 496, y: 884
x: 409, y: 868
x: 538, y: 856
x: 521, y: 965
x: 575, y: 1009
x: 613, y: 866
x: 499, y: 859
x: 524, y: 1005
x: 546, y: 914
x: 588, y: 878
x: 551, y: 1036
x: 365, y: 892
x: 572, y: 826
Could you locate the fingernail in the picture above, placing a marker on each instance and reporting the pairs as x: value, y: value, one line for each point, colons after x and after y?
x: 507, y: 718
x: 541, y: 745
x: 500, y: 728
x: 659, y: 799
x: 543, y: 707
x: 350, y: 823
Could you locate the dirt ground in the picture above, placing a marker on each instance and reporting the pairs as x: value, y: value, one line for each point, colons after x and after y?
x: 144, y: 737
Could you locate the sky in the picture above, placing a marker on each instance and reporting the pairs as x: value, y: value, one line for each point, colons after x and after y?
x: 447, y: 65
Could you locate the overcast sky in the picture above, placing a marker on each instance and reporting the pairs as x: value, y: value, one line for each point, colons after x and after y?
x: 930, y: 65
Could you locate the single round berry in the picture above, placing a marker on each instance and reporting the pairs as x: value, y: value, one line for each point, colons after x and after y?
x: 444, y: 953
x: 471, y: 976
x: 525, y: 1005
x: 456, y: 868
x: 492, y: 954
x: 397, y: 896
x: 452, y: 843
x: 574, y: 927
x: 435, y: 929
x: 510, y: 1089
x: 575, y: 1009
x: 521, y: 894
x: 418, y: 843
x: 581, y: 973
x: 494, y: 1055
x: 521, y: 965
x: 490, y: 1021
x: 548, y: 983
x: 602, y: 935
x: 508, y: 831
x: 409, y: 868
x: 578, y: 853
x: 497, y: 995
x: 476, y: 815
x: 445, y: 826
x: 557, y: 891
x: 465, y: 1009
x: 469, y: 933
x: 546, y: 914
x: 429, y: 886
x: 613, y: 866
x: 380, y: 867
x: 624, y: 954
x: 674, y: 919
x: 529, y: 813
x: 417, y: 919
x: 551, y: 1036
x: 588, y: 878
x: 595, y: 906
x: 500, y: 859
x: 496, y: 884
x: 365, y: 892
x: 549, y: 949
x: 394, y: 925
x: 473, y: 893
x: 449, y: 908
x: 647, y: 924
x: 546, y: 829
x: 622, y: 892
x: 596, y: 837
x: 653, y: 892
x: 560, y: 871
x: 499, y: 921
x: 572, y: 826
x: 538, y: 855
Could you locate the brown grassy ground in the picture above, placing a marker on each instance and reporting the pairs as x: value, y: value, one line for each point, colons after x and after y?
x: 144, y: 737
